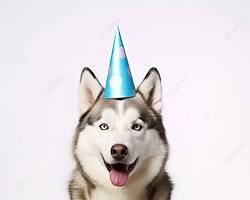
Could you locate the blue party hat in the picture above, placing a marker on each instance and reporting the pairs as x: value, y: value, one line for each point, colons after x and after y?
x: 119, y: 83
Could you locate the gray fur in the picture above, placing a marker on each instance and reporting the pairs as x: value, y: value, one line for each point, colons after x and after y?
x: 81, y: 186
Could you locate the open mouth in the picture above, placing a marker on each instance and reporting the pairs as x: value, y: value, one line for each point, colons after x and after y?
x: 119, y: 172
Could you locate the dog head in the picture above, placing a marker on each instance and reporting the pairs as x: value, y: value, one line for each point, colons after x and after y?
x: 120, y: 142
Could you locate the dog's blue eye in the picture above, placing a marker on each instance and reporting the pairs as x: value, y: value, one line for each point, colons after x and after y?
x: 104, y: 126
x: 137, y: 127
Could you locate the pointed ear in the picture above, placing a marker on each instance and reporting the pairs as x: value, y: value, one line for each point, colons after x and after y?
x: 151, y: 89
x: 90, y: 89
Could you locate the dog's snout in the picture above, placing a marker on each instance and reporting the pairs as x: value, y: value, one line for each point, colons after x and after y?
x: 119, y: 151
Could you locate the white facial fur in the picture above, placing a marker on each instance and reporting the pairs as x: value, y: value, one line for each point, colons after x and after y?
x: 92, y: 142
x: 144, y: 144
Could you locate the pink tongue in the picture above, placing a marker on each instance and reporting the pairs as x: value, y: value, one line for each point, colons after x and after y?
x: 118, y: 178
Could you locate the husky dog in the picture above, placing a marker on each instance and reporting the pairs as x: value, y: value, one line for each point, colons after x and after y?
x: 120, y: 146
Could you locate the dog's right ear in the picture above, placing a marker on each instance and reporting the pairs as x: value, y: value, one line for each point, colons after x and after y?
x: 90, y: 89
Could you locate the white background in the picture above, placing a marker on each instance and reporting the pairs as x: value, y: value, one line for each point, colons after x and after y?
x: 202, y: 50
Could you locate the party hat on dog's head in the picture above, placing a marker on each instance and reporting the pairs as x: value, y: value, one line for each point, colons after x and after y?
x: 119, y: 83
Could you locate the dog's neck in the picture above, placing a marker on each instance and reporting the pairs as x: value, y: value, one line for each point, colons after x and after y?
x: 135, y: 193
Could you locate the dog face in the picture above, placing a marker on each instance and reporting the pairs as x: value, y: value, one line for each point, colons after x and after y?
x: 120, y: 142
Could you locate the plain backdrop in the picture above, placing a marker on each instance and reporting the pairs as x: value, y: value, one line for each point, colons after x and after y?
x: 202, y: 50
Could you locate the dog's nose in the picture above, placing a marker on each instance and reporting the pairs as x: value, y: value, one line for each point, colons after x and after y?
x: 119, y: 151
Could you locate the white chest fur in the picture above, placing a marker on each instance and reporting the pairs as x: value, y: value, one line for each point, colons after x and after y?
x: 103, y: 194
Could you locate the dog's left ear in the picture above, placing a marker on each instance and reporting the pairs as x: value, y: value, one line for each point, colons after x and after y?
x: 90, y: 89
x: 151, y: 89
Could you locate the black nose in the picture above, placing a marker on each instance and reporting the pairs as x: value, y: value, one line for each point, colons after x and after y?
x: 119, y: 151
